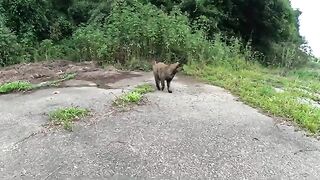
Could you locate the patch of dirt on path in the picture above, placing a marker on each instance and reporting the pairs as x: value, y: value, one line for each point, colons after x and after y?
x: 53, y: 70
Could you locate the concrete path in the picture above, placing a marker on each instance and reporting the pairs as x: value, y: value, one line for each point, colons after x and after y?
x: 197, y: 132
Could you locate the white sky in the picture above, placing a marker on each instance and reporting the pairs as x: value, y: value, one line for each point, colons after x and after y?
x: 309, y: 22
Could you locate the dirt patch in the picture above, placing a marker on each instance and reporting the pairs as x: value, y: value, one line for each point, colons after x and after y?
x: 54, y: 70
x: 103, y: 78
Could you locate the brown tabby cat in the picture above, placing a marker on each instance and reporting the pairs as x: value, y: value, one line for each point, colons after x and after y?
x: 164, y: 72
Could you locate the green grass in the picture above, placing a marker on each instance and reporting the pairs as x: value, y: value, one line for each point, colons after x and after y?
x: 69, y: 76
x: 18, y: 86
x: 65, y: 116
x: 143, y: 89
x: 15, y: 86
x: 56, y: 83
x: 256, y: 86
x: 133, y: 97
x: 311, y: 71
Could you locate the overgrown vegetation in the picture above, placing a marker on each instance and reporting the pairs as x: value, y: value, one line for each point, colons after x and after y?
x: 133, y: 97
x: 287, y: 97
x: 66, y: 116
x: 132, y: 32
x: 15, y: 86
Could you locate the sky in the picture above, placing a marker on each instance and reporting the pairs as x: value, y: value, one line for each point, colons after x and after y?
x: 309, y: 22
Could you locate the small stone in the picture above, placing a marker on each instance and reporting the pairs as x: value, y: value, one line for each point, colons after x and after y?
x: 56, y: 92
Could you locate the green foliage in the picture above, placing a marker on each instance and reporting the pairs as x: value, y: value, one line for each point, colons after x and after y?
x: 65, y: 116
x: 136, y: 64
x: 15, y: 86
x: 130, y: 33
x: 47, y: 51
x: 27, y: 16
x: 99, y: 14
x: 133, y: 34
x: 310, y: 72
x: 265, y: 23
x: 61, y: 5
x: 89, y: 42
x: 10, y: 49
x: 60, y: 29
x: 138, y: 32
x: 287, y: 55
x: 81, y: 11
x: 144, y: 31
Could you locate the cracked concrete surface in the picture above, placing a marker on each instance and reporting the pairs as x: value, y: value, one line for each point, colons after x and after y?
x: 197, y: 132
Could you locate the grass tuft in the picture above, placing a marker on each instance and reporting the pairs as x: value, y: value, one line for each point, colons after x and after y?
x: 69, y: 76
x: 143, y: 89
x: 133, y: 97
x: 15, y: 87
x: 65, y: 116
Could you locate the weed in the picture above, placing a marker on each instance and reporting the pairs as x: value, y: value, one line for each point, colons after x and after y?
x: 69, y: 76
x: 15, y: 86
x: 144, y: 89
x: 133, y: 97
x: 56, y: 83
x: 65, y: 116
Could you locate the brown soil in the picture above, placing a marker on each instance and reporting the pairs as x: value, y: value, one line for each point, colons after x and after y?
x: 53, y: 70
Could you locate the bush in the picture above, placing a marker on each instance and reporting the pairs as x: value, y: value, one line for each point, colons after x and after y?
x: 47, y: 50
x: 9, y: 47
x: 61, y: 29
x: 287, y: 55
x: 27, y: 16
x: 88, y: 42
x: 100, y: 14
x: 80, y: 11
x: 136, y: 32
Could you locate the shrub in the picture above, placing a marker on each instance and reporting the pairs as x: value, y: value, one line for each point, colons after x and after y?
x: 61, y: 29
x: 88, y: 42
x: 27, y: 16
x: 287, y: 55
x: 80, y: 11
x: 9, y: 47
x: 136, y: 32
x: 47, y: 50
